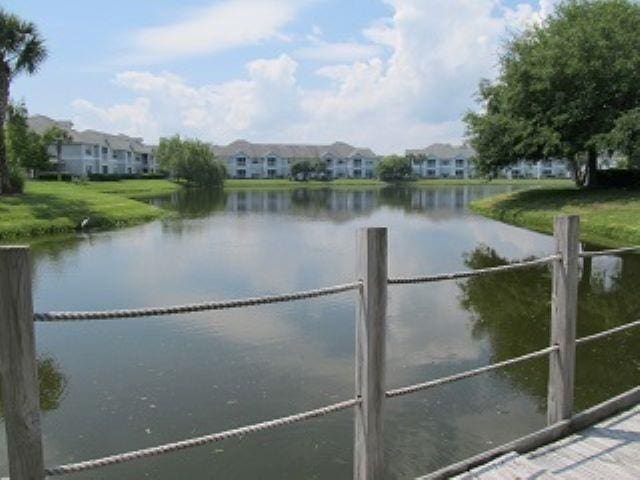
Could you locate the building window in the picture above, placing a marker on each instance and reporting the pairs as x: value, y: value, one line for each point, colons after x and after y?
x: 431, y: 173
x: 87, y: 151
x: 129, y: 170
x: 460, y: 173
x: 431, y: 163
x: 340, y: 162
x: 271, y: 162
x: 241, y: 173
x: 255, y: 161
x: 271, y: 173
x: 357, y: 173
x: 89, y: 169
x: 357, y: 162
x: 105, y: 151
x: 105, y: 169
x: 114, y: 154
x: 241, y: 161
x: 459, y: 163
x: 444, y: 163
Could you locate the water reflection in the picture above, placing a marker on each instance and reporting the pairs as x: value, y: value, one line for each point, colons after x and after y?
x: 147, y: 381
x: 331, y: 203
x: 512, y: 310
x: 52, y: 382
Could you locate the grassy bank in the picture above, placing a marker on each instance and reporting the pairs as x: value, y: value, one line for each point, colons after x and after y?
x: 550, y: 183
x: 608, y: 217
x: 57, y: 207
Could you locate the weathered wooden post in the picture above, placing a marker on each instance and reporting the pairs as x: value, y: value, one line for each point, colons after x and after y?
x: 18, y: 367
x: 564, y: 308
x: 370, y: 353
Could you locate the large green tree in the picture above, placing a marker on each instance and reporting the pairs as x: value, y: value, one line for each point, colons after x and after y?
x: 394, y: 168
x: 22, y: 50
x: 25, y: 148
x: 190, y: 160
x: 562, y: 88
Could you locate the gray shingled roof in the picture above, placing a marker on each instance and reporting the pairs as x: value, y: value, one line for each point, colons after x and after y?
x: 444, y: 150
x: 290, y: 150
x: 41, y: 123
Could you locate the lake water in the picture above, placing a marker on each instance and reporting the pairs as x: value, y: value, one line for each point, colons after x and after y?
x: 118, y: 385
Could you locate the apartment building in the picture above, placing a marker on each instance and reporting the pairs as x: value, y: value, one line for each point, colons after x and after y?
x: 89, y: 151
x: 274, y: 160
x: 442, y: 160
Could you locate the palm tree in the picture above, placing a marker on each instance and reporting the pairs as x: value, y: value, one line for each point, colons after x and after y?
x: 21, y: 50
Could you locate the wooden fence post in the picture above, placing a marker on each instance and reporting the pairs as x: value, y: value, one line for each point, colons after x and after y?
x: 564, y: 307
x: 18, y: 366
x: 370, y: 353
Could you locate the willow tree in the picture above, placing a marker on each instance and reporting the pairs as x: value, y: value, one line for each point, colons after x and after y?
x: 22, y: 50
x: 562, y: 88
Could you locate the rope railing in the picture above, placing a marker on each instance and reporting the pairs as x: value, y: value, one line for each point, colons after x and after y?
x: 606, y: 333
x: 198, y: 441
x: 613, y: 251
x: 195, y: 307
x: 469, y: 373
x: 473, y: 273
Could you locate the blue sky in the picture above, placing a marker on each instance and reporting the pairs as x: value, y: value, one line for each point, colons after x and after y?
x: 389, y: 74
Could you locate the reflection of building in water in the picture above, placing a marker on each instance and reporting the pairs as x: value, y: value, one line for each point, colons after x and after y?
x: 258, y: 201
x: 262, y: 160
x: 436, y: 198
x: 343, y: 204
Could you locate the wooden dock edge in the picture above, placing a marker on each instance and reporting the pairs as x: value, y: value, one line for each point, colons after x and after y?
x: 547, y: 435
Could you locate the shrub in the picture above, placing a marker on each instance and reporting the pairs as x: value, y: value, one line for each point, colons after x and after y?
x: 64, y: 177
x: 619, y: 178
x: 16, y: 178
x: 394, y: 168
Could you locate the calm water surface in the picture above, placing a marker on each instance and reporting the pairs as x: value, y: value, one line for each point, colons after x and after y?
x: 117, y: 385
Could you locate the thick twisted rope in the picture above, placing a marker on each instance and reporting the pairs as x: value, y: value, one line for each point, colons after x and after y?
x: 194, y: 307
x: 473, y: 273
x: 614, y: 251
x: 199, y: 441
x: 606, y: 333
x: 469, y: 373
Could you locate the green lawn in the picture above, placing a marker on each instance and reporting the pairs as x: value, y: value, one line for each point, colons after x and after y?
x: 552, y: 183
x: 608, y: 217
x: 55, y: 207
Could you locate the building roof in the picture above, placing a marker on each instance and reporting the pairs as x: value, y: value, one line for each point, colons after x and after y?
x: 41, y: 123
x: 291, y: 150
x: 444, y: 150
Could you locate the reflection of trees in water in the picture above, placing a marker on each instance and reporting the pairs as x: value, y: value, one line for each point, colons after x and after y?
x: 53, y: 384
x: 193, y: 202
x: 512, y: 311
x: 337, y: 204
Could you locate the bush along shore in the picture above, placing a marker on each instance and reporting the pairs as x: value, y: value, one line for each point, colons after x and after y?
x: 58, y: 207
x: 609, y: 217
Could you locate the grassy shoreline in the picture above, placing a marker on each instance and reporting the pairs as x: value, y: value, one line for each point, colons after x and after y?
x: 58, y: 207
x: 608, y: 217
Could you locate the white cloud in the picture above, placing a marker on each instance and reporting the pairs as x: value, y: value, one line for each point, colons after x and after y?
x: 215, y: 28
x: 407, y: 87
x: 338, y: 51
x: 133, y: 118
